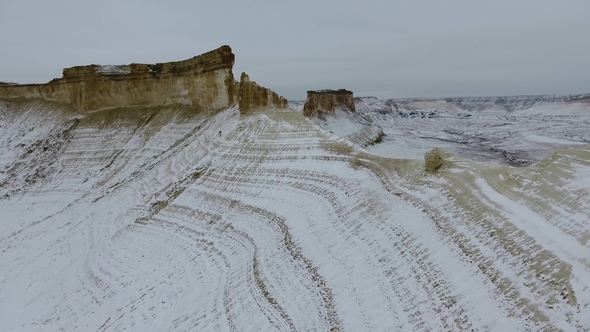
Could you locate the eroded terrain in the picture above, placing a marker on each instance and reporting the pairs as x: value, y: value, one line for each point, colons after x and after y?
x: 168, y: 218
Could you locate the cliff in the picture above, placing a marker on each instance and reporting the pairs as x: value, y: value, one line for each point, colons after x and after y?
x: 204, y: 81
x: 326, y: 101
x: 252, y: 95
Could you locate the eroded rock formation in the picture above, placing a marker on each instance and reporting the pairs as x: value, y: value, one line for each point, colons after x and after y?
x: 433, y: 160
x: 326, y: 101
x: 204, y: 81
x: 252, y: 95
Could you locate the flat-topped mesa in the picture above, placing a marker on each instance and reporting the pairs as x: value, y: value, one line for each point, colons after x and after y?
x: 252, y: 96
x: 326, y: 101
x: 204, y: 81
x: 221, y: 58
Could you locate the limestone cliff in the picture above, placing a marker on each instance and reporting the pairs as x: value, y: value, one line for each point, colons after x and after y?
x: 252, y: 95
x: 326, y: 101
x: 204, y: 81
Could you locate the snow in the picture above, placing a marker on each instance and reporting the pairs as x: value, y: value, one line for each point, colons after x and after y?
x: 350, y: 125
x: 176, y: 219
x: 112, y: 70
x: 550, y: 140
x: 517, y: 131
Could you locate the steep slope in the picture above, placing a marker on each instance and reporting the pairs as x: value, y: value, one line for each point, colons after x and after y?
x: 169, y: 218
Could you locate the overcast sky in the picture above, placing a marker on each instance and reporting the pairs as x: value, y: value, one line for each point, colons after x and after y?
x: 386, y: 49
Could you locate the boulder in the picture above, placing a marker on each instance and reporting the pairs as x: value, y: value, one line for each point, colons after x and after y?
x: 433, y: 160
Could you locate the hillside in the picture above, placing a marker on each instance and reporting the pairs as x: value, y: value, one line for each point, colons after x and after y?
x: 178, y: 217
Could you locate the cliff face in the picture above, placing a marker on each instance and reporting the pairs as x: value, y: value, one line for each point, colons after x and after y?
x: 326, y: 101
x: 204, y: 81
x: 252, y: 95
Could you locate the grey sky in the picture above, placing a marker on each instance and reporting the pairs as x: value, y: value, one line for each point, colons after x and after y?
x: 386, y: 49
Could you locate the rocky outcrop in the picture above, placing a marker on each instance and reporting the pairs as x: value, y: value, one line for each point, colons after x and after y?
x: 326, y: 101
x: 252, y: 95
x: 433, y: 160
x: 204, y: 81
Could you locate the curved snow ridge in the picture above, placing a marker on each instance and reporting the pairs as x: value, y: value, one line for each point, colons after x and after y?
x: 173, y: 219
x: 356, y: 128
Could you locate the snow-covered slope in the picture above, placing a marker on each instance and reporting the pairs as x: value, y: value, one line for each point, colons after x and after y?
x: 351, y: 126
x: 173, y: 219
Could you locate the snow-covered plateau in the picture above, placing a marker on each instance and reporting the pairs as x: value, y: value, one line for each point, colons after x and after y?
x: 172, y: 219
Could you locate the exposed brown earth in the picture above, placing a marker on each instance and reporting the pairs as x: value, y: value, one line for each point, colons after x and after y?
x: 252, y: 95
x: 326, y: 101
